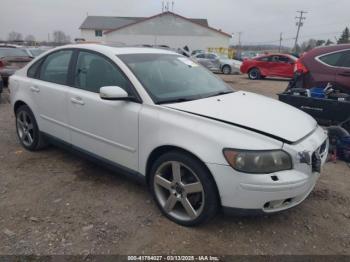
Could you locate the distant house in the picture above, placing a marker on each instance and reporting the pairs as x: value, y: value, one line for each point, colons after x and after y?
x: 162, y: 29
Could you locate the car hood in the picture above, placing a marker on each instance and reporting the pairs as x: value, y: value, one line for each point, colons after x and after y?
x: 254, y: 112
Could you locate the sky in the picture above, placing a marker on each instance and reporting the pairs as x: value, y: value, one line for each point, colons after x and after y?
x: 260, y: 21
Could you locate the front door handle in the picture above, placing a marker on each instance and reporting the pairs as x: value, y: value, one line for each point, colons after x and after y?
x: 346, y: 74
x: 35, y: 89
x: 77, y: 100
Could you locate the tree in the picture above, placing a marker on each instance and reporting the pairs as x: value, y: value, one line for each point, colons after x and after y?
x: 329, y: 42
x: 312, y: 43
x: 60, y: 37
x: 14, y: 36
x: 345, y: 37
x: 320, y: 42
x: 29, y: 39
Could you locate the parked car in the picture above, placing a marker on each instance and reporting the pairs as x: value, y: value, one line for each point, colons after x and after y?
x: 217, y: 63
x: 277, y: 65
x: 12, y: 59
x: 158, y: 116
x: 323, y: 65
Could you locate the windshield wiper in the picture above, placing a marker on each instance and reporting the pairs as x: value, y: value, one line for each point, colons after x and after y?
x: 176, y: 100
x: 220, y: 93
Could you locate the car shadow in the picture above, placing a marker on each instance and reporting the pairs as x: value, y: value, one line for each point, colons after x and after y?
x: 276, y: 79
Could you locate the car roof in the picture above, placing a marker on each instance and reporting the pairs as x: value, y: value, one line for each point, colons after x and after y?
x: 327, y: 49
x: 119, y: 50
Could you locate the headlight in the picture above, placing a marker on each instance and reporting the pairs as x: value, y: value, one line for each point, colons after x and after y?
x: 258, y: 162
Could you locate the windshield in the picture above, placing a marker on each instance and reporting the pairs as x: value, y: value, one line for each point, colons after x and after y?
x: 9, y: 52
x: 172, y: 78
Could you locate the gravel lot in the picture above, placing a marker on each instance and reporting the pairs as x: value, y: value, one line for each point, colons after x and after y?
x: 53, y: 202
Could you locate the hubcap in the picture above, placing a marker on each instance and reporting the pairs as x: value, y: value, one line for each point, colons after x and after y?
x: 179, y: 191
x: 253, y: 74
x: 25, y: 128
x: 226, y: 70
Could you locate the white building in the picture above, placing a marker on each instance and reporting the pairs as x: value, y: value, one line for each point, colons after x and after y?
x: 165, y: 28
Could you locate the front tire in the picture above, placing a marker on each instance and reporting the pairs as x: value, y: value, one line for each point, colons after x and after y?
x: 183, y: 189
x: 27, y: 129
x: 254, y: 74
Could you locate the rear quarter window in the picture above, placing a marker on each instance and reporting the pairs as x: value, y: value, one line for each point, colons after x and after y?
x: 33, y: 70
x: 332, y: 59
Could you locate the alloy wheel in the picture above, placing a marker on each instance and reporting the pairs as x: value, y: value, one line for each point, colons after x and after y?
x: 179, y: 191
x: 226, y: 70
x: 25, y: 128
x: 254, y: 74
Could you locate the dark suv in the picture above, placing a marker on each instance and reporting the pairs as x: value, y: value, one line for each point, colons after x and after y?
x: 323, y: 65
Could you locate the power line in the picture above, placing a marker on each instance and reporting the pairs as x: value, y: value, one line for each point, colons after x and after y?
x: 299, y: 24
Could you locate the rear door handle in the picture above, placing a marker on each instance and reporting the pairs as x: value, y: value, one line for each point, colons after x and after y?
x: 77, y: 100
x: 346, y: 74
x: 35, y: 89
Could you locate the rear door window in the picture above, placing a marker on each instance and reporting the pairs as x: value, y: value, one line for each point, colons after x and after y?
x: 55, y: 67
x: 283, y: 59
x: 346, y: 60
x: 264, y: 59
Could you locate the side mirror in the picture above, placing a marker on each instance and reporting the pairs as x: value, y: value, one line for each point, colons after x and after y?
x: 114, y: 93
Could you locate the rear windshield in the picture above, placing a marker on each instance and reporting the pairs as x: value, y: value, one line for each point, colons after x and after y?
x: 7, y: 52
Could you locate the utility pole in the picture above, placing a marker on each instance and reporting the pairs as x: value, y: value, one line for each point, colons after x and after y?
x: 299, y: 24
x: 280, y: 48
x: 239, y: 44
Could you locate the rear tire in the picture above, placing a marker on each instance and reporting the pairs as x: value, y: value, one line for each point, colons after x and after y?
x: 226, y: 70
x: 254, y: 74
x: 183, y: 189
x: 27, y: 129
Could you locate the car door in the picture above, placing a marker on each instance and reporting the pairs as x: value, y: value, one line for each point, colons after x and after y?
x: 285, y: 67
x: 108, y: 129
x: 201, y: 59
x: 325, y: 69
x: 214, y: 62
x: 343, y: 72
x: 49, y: 89
x: 273, y: 66
x: 263, y: 64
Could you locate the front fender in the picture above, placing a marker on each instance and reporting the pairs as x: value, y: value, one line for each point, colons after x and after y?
x: 203, y: 137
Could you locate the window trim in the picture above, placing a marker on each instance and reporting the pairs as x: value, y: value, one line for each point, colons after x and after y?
x: 318, y: 58
x: 138, y: 98
x: 42, y: 60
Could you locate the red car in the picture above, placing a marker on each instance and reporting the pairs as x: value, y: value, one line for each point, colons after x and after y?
x: 280, y: 65
x: 323, y: 65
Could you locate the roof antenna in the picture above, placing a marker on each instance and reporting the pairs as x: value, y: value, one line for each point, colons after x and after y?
x: 162, y: 6
x: 172, y: 6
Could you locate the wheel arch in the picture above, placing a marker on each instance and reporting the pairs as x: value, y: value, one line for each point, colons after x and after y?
x: 226, y: 65
x: 157, y: 152
x: 18, y: 104
x: 253, y: 67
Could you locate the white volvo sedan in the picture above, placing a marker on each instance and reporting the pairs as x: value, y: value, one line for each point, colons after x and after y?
x: 158, y: 116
